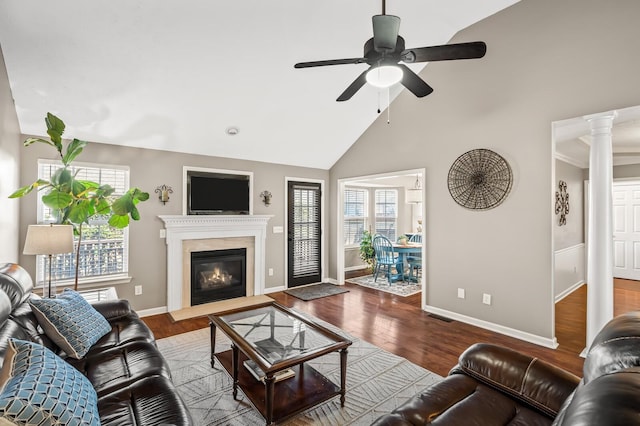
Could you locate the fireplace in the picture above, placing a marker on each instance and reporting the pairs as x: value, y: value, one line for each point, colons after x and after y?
x: 218, y: 275
x: 187, y: 234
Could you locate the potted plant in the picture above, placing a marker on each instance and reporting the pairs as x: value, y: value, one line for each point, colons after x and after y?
x: 402, y: 240
x: 367, y: 253
x: 76, y: 201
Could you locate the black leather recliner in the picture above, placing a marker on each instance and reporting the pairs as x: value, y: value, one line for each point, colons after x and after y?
x: 493, y: 385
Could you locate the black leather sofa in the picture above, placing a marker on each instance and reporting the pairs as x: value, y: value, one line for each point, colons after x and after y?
x: 131, y: 378
x: 493, y: 385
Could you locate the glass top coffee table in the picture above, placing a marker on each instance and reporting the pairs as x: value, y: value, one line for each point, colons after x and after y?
x: 270, y: 346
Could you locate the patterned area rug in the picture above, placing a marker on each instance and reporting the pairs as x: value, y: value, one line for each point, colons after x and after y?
x: 377, y: 382
x: 316, y: 291
x: 400, y: 288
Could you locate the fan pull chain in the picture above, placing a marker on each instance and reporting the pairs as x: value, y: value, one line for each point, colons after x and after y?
x: 379, y: 111
x: 388, y: 106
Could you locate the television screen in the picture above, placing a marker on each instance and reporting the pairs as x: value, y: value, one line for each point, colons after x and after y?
x: 217, y: 193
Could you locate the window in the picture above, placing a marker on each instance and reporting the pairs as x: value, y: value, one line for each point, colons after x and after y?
x: 386, y: 212
x: 355, y: 215
x: 104, y: 250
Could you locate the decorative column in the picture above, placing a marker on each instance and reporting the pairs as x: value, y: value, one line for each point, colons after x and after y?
x: 600, y: 241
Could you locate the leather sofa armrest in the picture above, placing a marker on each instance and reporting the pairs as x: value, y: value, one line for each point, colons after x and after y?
x: 524, y: 377
x: 112, y: 309
x: 392, y: 419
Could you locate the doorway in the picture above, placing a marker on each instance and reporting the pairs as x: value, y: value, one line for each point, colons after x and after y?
x: 571, y: 144
x: 304, y: 233
x: 353, y: 219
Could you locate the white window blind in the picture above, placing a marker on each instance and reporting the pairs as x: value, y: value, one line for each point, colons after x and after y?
x: 104, y: 251
x: 386, y: 212
x: 355, y: 215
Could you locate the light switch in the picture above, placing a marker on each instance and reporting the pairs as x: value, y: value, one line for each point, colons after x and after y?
x: 278, y: 229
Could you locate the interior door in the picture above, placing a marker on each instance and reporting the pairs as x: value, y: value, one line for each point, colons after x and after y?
x: 304, y: 233
x: 626, y: 230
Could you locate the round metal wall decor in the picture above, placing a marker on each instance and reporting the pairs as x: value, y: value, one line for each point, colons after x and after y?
x: 480, y: 179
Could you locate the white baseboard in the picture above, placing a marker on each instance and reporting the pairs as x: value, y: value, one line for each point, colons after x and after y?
x: 152, y: 311
x: 568, y: 291
x: 332, y: 281
x: 274, y: 289
x: 512, y: 332
x: 355, y: 268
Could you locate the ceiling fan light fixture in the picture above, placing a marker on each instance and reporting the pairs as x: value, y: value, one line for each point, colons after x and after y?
x: 384, y: 76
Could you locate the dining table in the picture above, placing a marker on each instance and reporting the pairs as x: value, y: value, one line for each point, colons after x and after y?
x: 406, y: 249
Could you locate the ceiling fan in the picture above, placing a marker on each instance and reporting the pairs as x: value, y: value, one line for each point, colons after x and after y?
x: 386, y: 56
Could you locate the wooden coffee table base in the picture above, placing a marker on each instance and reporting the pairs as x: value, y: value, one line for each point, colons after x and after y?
x: 293, y: 395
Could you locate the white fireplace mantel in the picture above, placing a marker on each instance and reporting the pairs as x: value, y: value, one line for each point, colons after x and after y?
x: 198, y: 227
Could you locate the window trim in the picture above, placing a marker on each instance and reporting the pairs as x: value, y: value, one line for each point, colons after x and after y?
x: 98, y: 280
x: 395, y: 217
x: 365, y: 218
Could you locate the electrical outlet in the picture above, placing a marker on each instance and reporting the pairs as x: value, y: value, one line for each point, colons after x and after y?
x: 137, y: 290
x: 461, y: 293
x: 270, y: 272
x: 486, y: 299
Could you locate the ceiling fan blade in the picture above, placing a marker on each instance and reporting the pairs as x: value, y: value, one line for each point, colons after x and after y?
x: 330, y: 62
x: 445, y: 52
x: 415, y: 84
x: 385, y: 32
x: 353, y: 87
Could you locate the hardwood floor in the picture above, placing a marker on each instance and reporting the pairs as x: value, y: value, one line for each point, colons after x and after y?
x: 398, y: 325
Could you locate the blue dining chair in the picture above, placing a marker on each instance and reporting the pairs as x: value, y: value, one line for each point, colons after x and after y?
x: 386, y: 258
x: 415, y: 259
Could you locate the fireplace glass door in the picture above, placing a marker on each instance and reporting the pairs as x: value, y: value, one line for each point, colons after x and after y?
x: 218, y: 275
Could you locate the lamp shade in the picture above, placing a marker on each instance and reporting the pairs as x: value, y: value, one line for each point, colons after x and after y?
x: 49, y: 239
x: 413, y: 196
x: 384, y: 76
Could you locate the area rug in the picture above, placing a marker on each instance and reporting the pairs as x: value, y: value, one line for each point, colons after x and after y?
x: 316, y: 291
x: 377, y: 382
x: 400, y: 288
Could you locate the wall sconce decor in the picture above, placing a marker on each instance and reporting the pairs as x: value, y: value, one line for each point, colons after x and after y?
x: 164, y: 192
x: 266, y: 197
x: 562, y: 203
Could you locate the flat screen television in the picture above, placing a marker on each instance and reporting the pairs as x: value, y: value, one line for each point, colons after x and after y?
x: 217, y: 193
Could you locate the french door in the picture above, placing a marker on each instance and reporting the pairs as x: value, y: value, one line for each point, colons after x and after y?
x: 304, y: 233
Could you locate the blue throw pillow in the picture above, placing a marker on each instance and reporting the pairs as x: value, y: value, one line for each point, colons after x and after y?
x: 71, y: 322
x: 40, y: 388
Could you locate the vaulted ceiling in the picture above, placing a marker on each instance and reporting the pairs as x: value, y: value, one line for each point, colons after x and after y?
x: 176, y: 74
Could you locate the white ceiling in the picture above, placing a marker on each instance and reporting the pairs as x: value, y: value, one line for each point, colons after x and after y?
x: 573, y: 139
x: 173, y: 75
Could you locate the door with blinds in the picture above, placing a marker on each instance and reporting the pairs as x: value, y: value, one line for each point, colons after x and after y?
x: 304, y: 239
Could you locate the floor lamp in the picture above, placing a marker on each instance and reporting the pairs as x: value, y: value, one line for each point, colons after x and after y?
x: 49, y: 240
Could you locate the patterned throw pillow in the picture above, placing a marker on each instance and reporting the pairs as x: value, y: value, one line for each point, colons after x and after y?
x: 71, y: 322
x: 39, y: 388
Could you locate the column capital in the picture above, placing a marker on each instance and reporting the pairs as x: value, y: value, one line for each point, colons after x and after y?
x: 601, y: 122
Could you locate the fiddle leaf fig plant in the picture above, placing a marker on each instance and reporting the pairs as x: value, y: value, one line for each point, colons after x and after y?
x: 75, y: 201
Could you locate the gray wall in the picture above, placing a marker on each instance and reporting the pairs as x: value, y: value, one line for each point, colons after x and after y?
x: 626, y: 172
x: 573, y: 232
x: 148, y: 170
x: 10, y: 144
x: 547, y: 60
